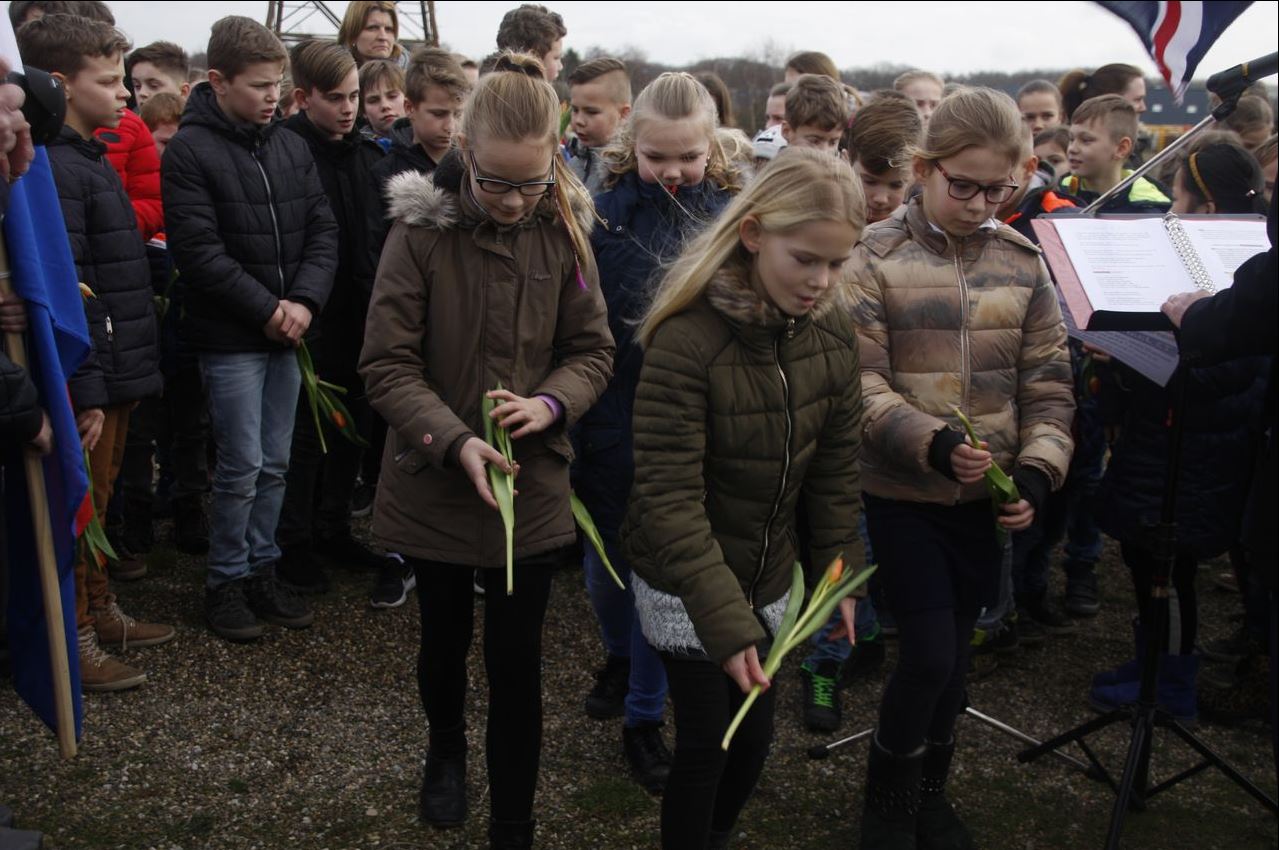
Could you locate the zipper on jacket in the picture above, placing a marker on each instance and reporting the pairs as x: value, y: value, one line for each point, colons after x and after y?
x: 275, y: 224
x: 110, y: 329
x: 781, y: 486
x: 965, y: 366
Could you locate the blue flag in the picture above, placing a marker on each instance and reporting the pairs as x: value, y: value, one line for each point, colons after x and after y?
x: 1177, y: 33
x: 44, y: 275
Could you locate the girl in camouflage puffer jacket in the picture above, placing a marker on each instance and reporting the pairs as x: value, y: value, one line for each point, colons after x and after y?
x: 748, y: 402
x: 953, y: 311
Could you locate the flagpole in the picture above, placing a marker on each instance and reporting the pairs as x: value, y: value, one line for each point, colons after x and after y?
x: 46, y: 560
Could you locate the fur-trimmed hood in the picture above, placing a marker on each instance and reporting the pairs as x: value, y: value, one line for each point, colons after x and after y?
x: 434, y: 200
x: 732, y: 293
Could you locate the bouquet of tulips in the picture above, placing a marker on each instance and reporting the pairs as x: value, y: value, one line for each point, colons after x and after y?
x: 503, y: 483
x: 1002, y: 489
x: 323, y: 396
x: 798, y: 626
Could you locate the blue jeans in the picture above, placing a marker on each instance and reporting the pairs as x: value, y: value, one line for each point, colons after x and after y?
x: 865, y: 619
x: 252, y: 399
x: 615, y: 611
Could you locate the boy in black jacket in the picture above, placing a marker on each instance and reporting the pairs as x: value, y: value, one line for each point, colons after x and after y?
x: 253, y: 238
x: 318, y: 495
x: 87, y: 57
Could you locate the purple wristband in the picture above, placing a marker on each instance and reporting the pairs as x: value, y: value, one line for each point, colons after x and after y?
x: 557, y: 409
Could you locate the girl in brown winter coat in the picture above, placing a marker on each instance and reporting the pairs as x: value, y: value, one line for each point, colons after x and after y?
x: 953, y: 310
x: 486, y: 279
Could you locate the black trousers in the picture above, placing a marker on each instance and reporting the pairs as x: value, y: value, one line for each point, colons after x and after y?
x: 174, y: 426
x: 708, y: 787
x: 512, y: 660
x: 1183, y: 604
x: 941, y: 565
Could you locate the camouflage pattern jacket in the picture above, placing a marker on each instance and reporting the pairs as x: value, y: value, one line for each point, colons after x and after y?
x: 948, y: 323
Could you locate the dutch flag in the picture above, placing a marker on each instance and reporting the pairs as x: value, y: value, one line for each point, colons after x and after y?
x: 1178, y: 34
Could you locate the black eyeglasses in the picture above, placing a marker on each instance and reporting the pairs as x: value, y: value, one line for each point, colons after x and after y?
x: 498, y: 186
x: 966, y: 190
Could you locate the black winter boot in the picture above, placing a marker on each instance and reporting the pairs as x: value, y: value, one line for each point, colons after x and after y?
x: 938, y: 827
x: 442, y: 803
x: 892, y: 799
x: 511, y: 834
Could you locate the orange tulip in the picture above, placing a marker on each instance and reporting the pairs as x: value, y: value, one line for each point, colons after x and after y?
x: 836, y: 570
x: 338, y: 419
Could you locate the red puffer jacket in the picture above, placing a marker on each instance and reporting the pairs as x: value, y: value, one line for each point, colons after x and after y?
x: 132, y: 153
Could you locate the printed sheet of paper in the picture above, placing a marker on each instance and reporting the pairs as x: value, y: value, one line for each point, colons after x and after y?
x: 1154, y: 354
x: 1126, y: 266
x: 1223, y: 245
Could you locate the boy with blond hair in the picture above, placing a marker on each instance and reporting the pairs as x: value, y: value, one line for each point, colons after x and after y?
x: 252, y: 235
x: 600, y: 99
x: 817, y: 113
x: 1103, y: 131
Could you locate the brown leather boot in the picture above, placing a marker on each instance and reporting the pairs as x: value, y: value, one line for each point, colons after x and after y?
x: 101, y: 672
x: 116, y: 628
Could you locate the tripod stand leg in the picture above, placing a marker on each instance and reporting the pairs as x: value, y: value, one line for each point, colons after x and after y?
x: 1221, y: 764
x: 1138, y: 755
x: 1023, y: 737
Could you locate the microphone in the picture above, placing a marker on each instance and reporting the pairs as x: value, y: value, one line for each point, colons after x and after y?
x: 1233, y: 81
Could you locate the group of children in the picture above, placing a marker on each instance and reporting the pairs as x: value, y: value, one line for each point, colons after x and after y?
x: 737, y: 355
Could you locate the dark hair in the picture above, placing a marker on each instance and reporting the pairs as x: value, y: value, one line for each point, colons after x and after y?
x: 91, y: 9
x: 1077, y: 86
x: 530, y: 28
x: 883, y: 133
x: 1059, y: 136
x: 319, y: 66
x: 1228, y: 176
x: 165, y: 56
x: 163, y: 108
x: 1039, y: 87
x: 611, y: 73
x: 62, y: 43
x: 813, y: 62
x: 236, y: 42
x: 817, y: 100
x: 780, y: 90
x: 721, y: 95
x: 434, y: 66
x: 377, y: 72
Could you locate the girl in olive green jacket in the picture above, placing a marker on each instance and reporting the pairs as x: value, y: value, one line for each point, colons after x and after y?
x: 749, y: 402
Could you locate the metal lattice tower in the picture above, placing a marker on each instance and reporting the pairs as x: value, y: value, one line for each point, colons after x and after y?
x: 296, y: 21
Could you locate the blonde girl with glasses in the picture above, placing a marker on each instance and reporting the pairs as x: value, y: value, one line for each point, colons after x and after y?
x: 953, y: 311
x: 486, y: 280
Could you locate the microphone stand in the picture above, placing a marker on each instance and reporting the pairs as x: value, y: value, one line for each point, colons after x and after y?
x: 1134, y: 789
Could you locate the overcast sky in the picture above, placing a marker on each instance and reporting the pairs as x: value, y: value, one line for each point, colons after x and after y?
x: 948, y: 37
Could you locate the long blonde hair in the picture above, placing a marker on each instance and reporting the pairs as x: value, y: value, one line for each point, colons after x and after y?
x: 674, y: 96
x: 798, y: 187
x: 513, y: 103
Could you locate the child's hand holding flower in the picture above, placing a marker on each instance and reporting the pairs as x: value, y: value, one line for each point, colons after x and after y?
x: 533, y: 415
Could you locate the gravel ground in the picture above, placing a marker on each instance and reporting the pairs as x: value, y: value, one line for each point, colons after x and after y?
x: 314, y: 740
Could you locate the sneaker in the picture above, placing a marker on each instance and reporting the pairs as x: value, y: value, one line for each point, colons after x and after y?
x: 1081, y: 599
x: 1227, y: 581
x: 477, y: 583
x: 99, y: 672
x: 228, y: 613
x: 395, y: 581
x: 190, y: 526
x: 866, y: 659
x: 821, y: 696
x: 1003, y: 637
x: 299, y: 569
x: 116, y: 628
x: 1231, y: 650
x: 362, y: 500
x: 607, y: 699
x: 343, y: 551
x: 1044, y: 612
x: 273, y: 601
x: 647, y: 755
x: 129, y: 566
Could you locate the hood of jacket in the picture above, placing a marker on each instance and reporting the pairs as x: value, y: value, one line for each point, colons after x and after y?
x: 91, y: 148
x: 202, y: 110
x: 434, y: 200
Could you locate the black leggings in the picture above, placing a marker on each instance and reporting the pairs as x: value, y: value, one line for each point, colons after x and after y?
x: 708, y: 787
x: 512, y: 660
x: 1183, y: 599
x: 926, y: 691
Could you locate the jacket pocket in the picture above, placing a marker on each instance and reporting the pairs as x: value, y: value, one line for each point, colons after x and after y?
x: 407, y: 459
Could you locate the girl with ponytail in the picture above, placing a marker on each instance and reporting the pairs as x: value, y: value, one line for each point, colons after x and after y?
x: 486, y: 287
